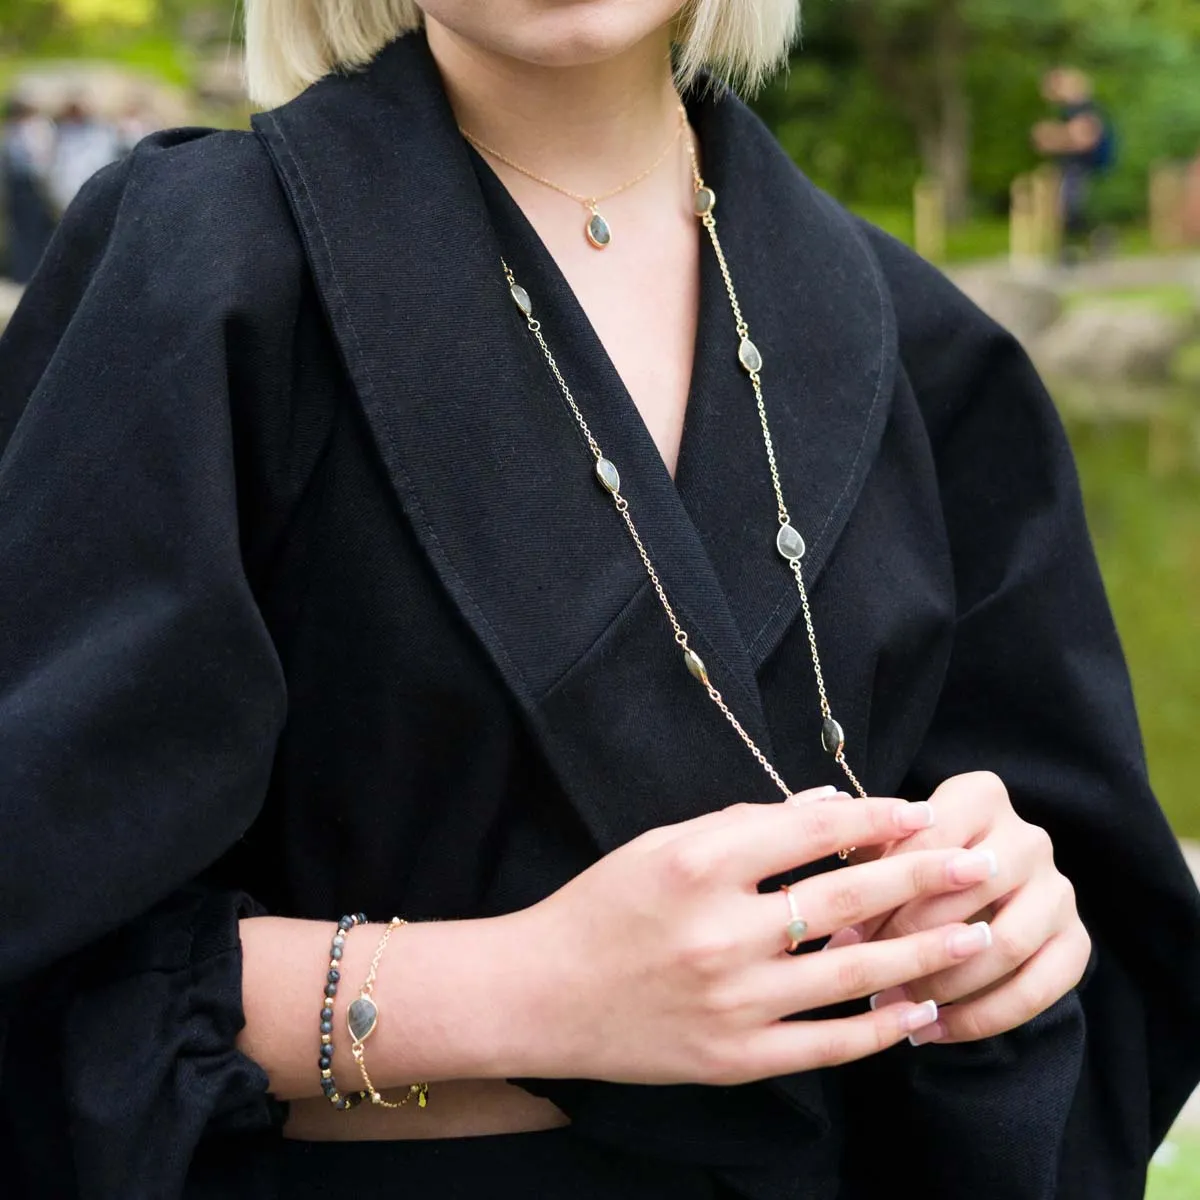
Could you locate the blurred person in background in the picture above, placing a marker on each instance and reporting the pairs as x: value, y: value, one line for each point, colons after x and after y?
x: 83, y: 145
x: 26, y: 154
x: 1081, y: 141
x: 356, y: 557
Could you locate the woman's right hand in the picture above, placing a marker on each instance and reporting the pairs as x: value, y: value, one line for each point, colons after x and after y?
x: 663, y: 963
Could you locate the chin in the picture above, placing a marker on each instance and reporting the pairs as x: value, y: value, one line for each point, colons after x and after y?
x: 554, y: 33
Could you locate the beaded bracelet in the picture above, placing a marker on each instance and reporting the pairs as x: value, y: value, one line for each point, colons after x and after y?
x: 328, y: 1086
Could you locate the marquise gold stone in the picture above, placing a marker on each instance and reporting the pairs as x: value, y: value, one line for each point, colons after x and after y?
x: 695, y: 664
x: 362, y: 1018
x: 598, y: 232
x: 521, y: 296
x: 832, y: 738
x: 609, y: 476
x: 749, y: 356
x: 789, y: 543
x: 705, y: 200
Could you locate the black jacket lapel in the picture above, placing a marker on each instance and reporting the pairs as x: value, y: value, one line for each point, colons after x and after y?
x: 817, y: 308
x: 489, y: 468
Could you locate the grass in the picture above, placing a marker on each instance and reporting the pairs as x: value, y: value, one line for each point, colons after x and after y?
x: 1146, y: 534
x: 1176, y: 1174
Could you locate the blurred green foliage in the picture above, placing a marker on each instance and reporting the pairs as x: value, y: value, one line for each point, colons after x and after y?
x: 1176, y: 1174
x: 878, y: 85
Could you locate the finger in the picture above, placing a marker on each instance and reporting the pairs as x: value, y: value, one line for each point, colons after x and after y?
x: 966, y: 807
x: 792, y: 985
x: 790, y: 1046
x: 662, y: 834
x: 834, y: 900
x: 994, y: 878
x: 770, y: 839
x: 1045, y: 978
x: 1033, y: 917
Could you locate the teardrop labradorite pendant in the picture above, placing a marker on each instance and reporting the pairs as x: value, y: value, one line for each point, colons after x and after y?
x: 705, y: 201
x: 362, y: 1018
x: 749, y: 356
x: 789, y: 543
x: 598, y: 231
x: 833, y: 740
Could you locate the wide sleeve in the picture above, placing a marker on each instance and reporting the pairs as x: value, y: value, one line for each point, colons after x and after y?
x: 141, y: 696
x: 1037, y: 691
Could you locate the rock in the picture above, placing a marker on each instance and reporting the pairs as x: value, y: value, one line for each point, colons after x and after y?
x: 1113, y: 339
x: 10, y: 293
x: 1025, y: 307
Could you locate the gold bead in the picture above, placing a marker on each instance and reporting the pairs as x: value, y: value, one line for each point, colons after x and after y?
x: 327, y: 1074
x: 326, y: 1039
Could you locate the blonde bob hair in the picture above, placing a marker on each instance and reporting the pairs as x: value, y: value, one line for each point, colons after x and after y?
x: 293, y: 43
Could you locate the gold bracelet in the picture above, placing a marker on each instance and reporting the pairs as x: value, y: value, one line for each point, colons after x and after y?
x: 363, y: 1018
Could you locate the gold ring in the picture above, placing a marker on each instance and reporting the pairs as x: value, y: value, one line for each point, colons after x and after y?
x: 797, y: 926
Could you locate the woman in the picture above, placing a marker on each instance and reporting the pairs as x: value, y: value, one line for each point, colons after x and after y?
x: 387, y: 531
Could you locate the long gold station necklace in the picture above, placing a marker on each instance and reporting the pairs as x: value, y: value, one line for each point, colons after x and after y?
x: 788, y: 541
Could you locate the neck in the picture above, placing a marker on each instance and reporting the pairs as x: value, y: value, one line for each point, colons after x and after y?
x: 584, y: 126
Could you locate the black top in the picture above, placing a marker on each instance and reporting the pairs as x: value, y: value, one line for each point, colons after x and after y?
x: 310, y: 604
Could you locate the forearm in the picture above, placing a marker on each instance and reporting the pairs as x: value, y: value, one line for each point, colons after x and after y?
x: 457, y: 1000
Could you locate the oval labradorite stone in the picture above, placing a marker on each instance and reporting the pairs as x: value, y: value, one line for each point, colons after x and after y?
x: 361, y: 1018
x: 705, y: 200
x: 598, y: 232
x: 608, y: 475
x: 832, y: 737
x: 789, y: 543
x: 521, y: 296
x: 749, y: 356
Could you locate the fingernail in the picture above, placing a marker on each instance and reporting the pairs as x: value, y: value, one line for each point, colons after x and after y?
x: 974, y: 866
x: 888, y: 996
x: 971, y: 940
x: 850, y: 936
x: 931, y: 1033
x: 807, y: 797
x: 919, y: 1016
x: 910, y: 817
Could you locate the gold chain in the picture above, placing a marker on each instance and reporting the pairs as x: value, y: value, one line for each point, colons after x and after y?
x: 416, y: 1091
x: 588, y: 202
x: 789, y: 542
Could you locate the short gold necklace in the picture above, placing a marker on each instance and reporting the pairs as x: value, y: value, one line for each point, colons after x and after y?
x: 788, y: 541
x: 597, y: 230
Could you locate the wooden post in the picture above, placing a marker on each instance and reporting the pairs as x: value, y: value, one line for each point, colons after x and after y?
x: 1022, y: 241
x: 929, y: 219
x: 1191, y: 204
x: 1168, y: 195
x: 1047, y: 216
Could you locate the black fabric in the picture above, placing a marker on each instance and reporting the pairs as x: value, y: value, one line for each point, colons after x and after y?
x: 555, y: 1165
x: 307, y: 595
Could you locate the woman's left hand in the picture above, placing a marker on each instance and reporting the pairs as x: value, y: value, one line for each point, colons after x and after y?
x: 1039, y: 949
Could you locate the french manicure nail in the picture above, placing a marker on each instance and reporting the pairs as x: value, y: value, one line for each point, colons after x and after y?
x: 974, y: 866
x: 888, y: 996
x: 850, y: 936
x: 931, y: 1033
x: 910, y: 817
x: 919, y: 1016
x: 965, y: 942
x: 807, y: 797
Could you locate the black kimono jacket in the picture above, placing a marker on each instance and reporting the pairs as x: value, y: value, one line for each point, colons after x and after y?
x: 309, y: 604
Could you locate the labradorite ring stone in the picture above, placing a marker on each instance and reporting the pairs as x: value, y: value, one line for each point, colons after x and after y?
x: 797, y: 927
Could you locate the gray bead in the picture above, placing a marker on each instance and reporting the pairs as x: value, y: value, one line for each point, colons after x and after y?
x: 832, y: 737
x: 695, y: 664
x: 609, y: 476
x: 521, y: 296
x: 705, y: 201
x: 749, y: 356
x: 789, y: 543
x: 598, y: 232
x: 362, y: 1018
